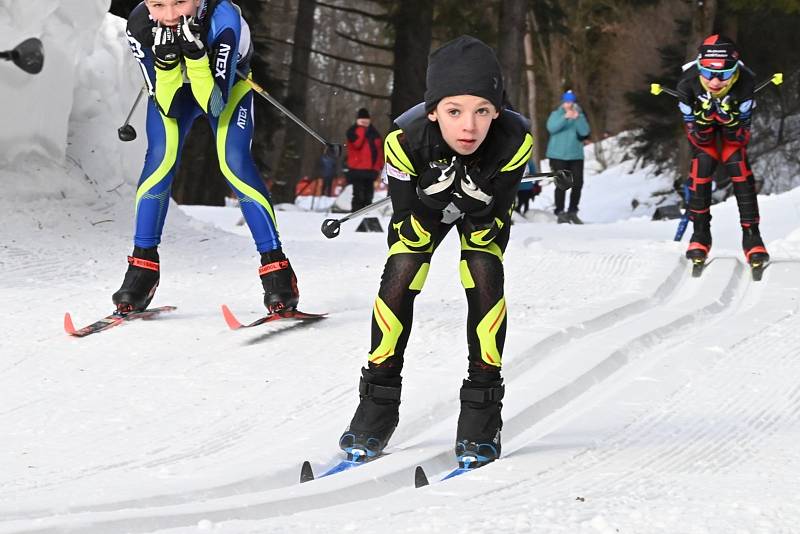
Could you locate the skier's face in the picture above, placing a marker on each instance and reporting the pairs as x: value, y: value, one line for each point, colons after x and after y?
x: 169, y: 12
x: 464, y: 121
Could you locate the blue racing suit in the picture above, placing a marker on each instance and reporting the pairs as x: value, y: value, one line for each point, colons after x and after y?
x: 208, y: 86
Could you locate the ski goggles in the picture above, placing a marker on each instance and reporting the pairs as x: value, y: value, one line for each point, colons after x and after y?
x: 722, y: 74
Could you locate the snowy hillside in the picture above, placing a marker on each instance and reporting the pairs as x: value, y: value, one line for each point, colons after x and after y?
x: 638, y: 399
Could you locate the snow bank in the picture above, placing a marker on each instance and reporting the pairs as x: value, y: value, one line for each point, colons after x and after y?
x: 65, y: 118
x: 37, y: 107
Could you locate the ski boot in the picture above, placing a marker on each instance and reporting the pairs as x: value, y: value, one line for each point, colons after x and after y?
x: 279, y: 282
x: 375, y: 419
x: 562, y: 217
x: 479, y: 423
x: 754, y: 250
x: 140, y: 283
x: 699, y: 246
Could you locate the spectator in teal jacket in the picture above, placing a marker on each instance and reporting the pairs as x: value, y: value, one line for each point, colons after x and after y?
x: 568, y: 130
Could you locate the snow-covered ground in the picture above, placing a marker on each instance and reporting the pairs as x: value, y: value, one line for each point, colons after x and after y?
x: 638, y: 398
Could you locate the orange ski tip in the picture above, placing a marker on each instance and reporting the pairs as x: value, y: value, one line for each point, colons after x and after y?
x: 233, y: 323
x: 69, y: 327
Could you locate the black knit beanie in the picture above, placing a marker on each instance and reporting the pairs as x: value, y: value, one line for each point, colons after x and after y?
x: 463, y: 66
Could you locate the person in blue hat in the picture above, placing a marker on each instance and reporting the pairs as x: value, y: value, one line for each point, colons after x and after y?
x: 568, y: 130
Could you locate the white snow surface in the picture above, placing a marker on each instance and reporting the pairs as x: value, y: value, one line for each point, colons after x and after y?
x: 638, y: 399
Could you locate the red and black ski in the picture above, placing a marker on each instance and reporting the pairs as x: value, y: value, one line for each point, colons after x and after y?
x: 112, y: 320
x: 234, y: 323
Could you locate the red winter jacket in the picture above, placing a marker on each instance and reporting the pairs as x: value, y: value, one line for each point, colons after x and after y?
x: 364, y: 148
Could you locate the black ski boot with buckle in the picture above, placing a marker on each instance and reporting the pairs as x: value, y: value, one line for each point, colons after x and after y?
x: 376, y: 417
x: 140, y: 283
x: 479, y: 423
x: 279, y: 282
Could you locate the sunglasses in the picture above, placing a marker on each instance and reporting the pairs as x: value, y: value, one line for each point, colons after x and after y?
x: 724, y: 74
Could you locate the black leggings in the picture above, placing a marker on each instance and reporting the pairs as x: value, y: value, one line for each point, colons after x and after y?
x: 403, y: 277
x: 575, y: 166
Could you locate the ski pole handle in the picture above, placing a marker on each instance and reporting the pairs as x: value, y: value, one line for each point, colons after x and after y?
x: 331, y: 227
x: 776, y: 79
x: 657, y: 89
x: 562, y: 178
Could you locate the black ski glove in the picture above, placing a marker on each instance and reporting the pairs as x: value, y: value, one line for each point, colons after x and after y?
x: 189, y: 38
x: 699, y: 135
x: 166, y: 50
x: 481, y: 233
x: 412, y: 233
x: 740, y: 135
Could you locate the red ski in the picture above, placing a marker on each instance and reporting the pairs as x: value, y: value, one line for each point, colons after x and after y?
x: 111, y: 320
x: 234, y: 323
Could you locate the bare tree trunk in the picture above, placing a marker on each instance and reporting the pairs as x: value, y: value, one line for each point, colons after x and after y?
x: 530, y: 76
x: 412, y: 21
x: 510, y: 47
x: 290, y: 169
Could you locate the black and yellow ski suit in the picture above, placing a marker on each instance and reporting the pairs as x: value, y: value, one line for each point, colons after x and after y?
x: 434, y: 189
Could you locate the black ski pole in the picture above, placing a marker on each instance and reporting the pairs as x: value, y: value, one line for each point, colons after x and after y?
x: 126, y: 132
x: 28, y: 55
x: 331, y: 227
x: 335, y: 149
x: 775, y: 79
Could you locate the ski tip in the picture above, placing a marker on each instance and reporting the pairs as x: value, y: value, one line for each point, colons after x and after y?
x: 420, y: 479
x: 306, y: 473
x: 233, y: 323
x: 69, y: 327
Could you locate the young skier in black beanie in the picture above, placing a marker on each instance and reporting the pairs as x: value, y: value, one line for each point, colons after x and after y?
x: 455, y: 160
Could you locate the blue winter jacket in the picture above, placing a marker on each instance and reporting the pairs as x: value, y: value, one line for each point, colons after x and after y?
x: 566, y: 135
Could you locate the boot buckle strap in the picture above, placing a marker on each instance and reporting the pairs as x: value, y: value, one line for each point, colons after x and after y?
x: 494, y: 394
x: 272, y: 267
x: 375, y: 391
x: 144, y: 264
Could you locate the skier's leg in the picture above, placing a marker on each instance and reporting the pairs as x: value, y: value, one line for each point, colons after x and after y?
x: 744, y: 187
x: 165, y: 137
x: 701, y: 171
x: 480, y: 420
x: 379, y: 390
x: 234, y: 135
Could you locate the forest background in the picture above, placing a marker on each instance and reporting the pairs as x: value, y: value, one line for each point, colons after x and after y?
x: 326, y: 59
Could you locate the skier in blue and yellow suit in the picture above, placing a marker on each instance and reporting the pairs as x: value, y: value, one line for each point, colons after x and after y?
x: 454, y: 161
x: 189, y: 52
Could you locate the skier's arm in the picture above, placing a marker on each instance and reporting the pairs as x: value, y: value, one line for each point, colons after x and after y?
x: 698, y: 134
x: 169, y: 78
x: 411, y: 228
x: 162, y: 80
x: 507, y: 181
x: 481, y: 231
x: 212, y: 79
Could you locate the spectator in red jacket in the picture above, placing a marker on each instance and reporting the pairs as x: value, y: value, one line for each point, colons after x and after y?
x: 364, y: 159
